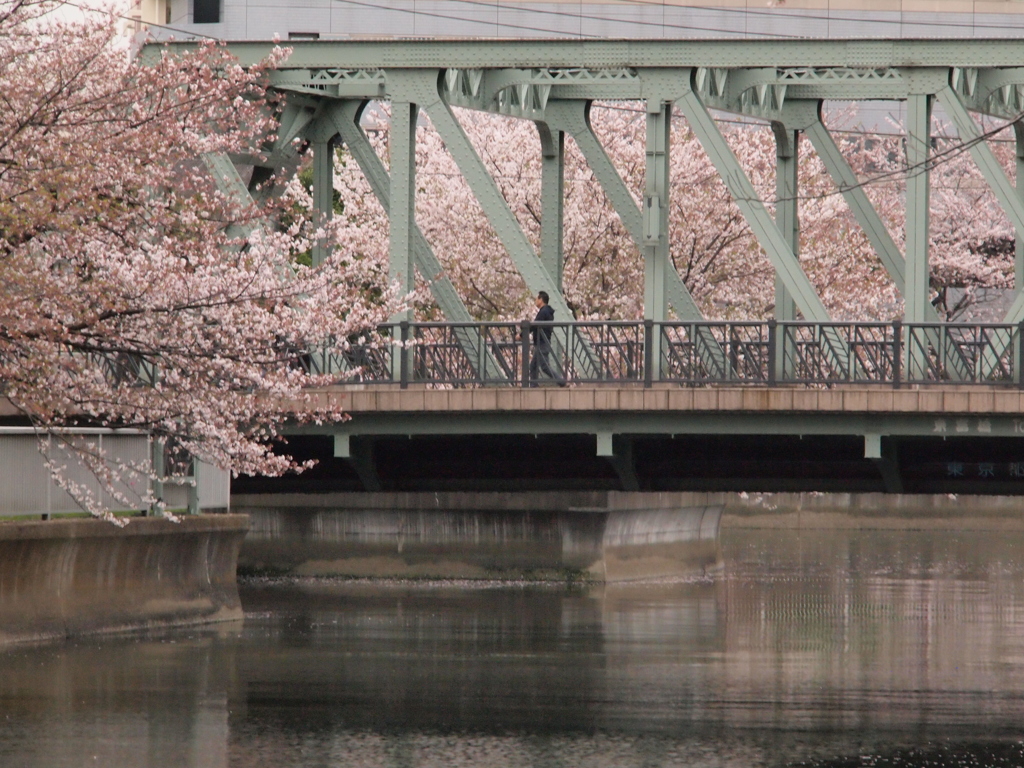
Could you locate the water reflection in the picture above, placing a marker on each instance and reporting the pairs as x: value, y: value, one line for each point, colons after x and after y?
x: 901, y: 648
x: 158, y: 701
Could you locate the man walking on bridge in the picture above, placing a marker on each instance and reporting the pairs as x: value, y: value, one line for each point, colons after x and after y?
x: 542, y: 341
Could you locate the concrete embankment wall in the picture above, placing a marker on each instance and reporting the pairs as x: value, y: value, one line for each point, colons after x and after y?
x: 759, y: 510
x: 867, y: 511
x: 309, y: 535
x: 599, y: 535
x: 60, y: 578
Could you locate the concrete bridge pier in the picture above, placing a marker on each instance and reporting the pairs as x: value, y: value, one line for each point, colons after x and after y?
x: 589, y: 536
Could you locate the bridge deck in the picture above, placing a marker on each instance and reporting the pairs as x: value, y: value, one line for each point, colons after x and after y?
x: 847, y: 399
x: 942, y: 438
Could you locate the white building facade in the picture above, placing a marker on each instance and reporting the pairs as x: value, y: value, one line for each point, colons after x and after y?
x: 752, y: 19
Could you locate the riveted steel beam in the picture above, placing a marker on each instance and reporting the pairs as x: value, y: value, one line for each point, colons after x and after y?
x: 331, y: 82
x: 917, y: 289
x: 998, y: 92
x: 808, y: 114
x: 853, y: 192
x: 760, y: 220
x: 771, y: 238
x: 655, y: 208
x: 423, y: 86
x: 323, y: 196
x: 525, y: 92
x: 754, y: 90
x: 607, y: 54
x: 344, y: 117
x: 885, y: 248
x: 787, y: 209
x: 402, y: 212
x: 552, y: 200
x: 992, y: 171
x: 573, y: 117
x: 1018, y: 261
x: 589, y: 422
x: 986, y: 161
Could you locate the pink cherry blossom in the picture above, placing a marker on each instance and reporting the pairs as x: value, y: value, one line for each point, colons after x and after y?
x: 135, y: 293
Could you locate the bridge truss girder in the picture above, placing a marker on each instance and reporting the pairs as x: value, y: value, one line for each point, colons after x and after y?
x: 552, y: 84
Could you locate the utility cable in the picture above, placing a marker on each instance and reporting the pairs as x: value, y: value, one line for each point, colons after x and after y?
x: 497, y: 6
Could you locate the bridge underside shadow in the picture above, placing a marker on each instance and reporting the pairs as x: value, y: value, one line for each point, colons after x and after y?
x: 553, y: 462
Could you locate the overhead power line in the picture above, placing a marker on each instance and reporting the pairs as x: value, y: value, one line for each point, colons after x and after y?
x: 911, y: 171
x: 779, y: 13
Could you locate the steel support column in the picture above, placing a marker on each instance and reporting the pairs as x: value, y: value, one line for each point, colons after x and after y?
x: 423, y: 86
x: 853, y: 192
x: 552, y: 197
x: 1018, y: 253
x: 787, y: 212
x: 760, y: 220
x: 573, y: 118
x: 871, y: 223
x: 655, y: 210
x: 344, y: 117
x: 230, y: 184
x: 917, y: 292
x: 323, y: 196
x: 657, y: 260
x: 402, y: 212
x: 1016, y: 311
x: 402, y: 215
x: 1008, y: 196
x: 1018, y: 260
x: 423, y: 83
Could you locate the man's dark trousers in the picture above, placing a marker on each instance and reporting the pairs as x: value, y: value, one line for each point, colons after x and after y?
x: 542, y: 346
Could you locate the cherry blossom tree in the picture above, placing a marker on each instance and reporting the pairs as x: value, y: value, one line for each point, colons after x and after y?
x: 135, y: 293
x: 971, y: 237
x: 712, y: 247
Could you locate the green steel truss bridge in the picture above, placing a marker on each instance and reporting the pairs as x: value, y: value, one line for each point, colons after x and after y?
x: 327, y: 87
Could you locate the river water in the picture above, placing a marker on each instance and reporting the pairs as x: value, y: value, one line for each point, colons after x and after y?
x: 828, y: 648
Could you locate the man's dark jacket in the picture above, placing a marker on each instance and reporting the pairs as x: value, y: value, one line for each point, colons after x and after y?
x: 544, y: 315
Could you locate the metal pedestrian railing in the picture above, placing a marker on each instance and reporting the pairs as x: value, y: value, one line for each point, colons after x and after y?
x: 688, y: 354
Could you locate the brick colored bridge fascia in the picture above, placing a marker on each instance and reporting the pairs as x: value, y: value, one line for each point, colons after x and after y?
x: 932, y: 400
x: 938, y: 411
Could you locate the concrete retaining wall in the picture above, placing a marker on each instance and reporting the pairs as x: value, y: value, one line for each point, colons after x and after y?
x: 867, y: 511
x: 754, y: 510
x: 303, y: 535
x: 601, y: 535
x: 61, y: 578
